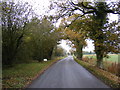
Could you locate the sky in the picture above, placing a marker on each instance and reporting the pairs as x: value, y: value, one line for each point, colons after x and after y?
x: 90, y: 46
x: 64, y: 45
x: 40, y: 8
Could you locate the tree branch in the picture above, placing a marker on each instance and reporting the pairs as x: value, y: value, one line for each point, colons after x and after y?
x: 74, y: 20
x: 87, y: 7
x: 78, y: 17
x: 111, y: 11
x: 76, y: 6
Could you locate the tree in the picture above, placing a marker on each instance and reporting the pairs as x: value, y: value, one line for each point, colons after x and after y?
x: 75, y: 33
x: 14, y: 19
x: 59, y: 51
x: 99, y: 11
x: 106, y: 39
x: 43, y: 37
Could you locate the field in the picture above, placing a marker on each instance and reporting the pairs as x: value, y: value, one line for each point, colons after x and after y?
x: 112, y: 57
x: 111, y: 64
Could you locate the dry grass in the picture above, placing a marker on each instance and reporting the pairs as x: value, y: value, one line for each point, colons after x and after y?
x: 112, y: 67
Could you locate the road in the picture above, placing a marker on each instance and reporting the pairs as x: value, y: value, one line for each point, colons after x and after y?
x: 66, y: 73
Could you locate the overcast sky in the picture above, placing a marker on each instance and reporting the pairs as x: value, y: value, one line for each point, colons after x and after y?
x: 40, y: 8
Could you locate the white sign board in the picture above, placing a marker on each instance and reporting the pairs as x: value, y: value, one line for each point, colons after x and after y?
x: 44, y: 59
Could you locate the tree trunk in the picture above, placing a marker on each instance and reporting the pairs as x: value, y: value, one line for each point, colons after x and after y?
x: 99, y: 55
x: 50, y: 53
x: 99, y: 61
x: 79, y: 51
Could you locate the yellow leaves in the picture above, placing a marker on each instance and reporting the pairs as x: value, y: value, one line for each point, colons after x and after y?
x: 85, y: 3
x: 27, y: 39
x: 71, y: 34
x: 113, y: 36
x: 74, y: 35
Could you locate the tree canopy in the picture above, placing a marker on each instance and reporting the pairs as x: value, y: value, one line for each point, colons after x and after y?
x: 97, y: 26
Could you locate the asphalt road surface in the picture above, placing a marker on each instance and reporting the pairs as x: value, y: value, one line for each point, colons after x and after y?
x: 66, y: 73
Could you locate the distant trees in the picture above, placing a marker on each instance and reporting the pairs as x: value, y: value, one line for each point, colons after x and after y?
x: 87, y: 52
x: 59, y: 51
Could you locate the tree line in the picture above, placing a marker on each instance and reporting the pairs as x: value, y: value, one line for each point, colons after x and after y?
x: 26, y: 37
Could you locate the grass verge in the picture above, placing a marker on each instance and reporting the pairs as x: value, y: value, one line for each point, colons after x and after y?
x: 21, y: 75
x: 111, y: 80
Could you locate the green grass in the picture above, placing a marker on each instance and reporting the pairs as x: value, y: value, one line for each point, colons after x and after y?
x: 106, y: 77
x: 112, y: 57
x: 22, y: 74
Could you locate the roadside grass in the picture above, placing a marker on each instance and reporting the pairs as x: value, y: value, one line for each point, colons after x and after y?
x: 111, y: 64
x: 108, y: 78
x: 21, y: 75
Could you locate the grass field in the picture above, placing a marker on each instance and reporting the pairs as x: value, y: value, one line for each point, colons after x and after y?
x: 112, y: 57
x: 111, y: 64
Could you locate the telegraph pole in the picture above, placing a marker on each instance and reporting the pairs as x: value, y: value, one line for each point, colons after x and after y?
x: 119, y: 16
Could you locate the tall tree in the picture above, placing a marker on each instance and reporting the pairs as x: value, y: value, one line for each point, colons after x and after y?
x: 75, y: 33
x: 14, y: 19
x: 43, y: 37
x: 78, y: 41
